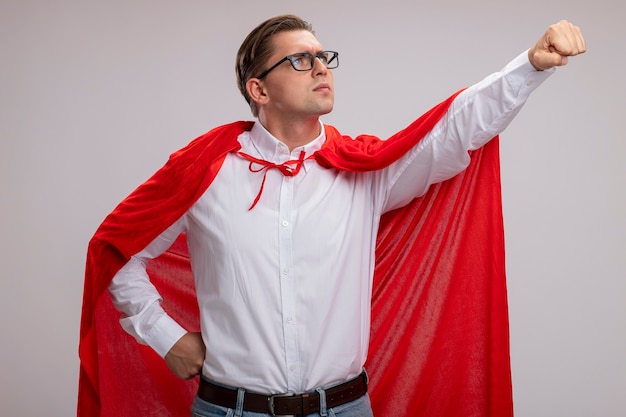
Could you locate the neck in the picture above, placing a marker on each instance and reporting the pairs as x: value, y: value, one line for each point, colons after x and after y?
x: 293, y: 133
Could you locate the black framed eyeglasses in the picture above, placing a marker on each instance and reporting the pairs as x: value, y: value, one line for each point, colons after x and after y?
x: 304, y: 61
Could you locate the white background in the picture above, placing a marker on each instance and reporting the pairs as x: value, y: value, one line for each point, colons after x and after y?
x: 94, y: 96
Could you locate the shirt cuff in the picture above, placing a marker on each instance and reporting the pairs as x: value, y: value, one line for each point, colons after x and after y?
x: 521, y: 72
x: 164, y: 334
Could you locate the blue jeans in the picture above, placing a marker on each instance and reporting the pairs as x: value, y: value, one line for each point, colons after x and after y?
x: 358, y: 408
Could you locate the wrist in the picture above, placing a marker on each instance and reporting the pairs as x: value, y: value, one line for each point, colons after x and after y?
x: 531, y: 59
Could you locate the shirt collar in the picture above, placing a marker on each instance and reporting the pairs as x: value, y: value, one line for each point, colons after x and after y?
x: 273, y: 150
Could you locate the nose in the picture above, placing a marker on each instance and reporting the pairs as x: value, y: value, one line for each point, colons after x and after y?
x: 318, y: 67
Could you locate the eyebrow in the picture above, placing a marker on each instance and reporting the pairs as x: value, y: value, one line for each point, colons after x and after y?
x: 308, y: 49
x: 309, y: 52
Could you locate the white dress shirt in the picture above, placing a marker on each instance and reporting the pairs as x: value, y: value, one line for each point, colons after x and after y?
x: 284, y: 289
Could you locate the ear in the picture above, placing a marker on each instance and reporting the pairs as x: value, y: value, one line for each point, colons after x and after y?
x: 256, y: 90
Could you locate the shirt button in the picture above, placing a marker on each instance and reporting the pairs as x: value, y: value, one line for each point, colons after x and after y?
x: 292, y: 367
x: 286, y: 271
x: 285, y: 223
x: 289, y: 319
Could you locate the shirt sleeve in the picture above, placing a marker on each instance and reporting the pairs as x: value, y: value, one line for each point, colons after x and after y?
x: 139, y: 301
x: 479, y: 113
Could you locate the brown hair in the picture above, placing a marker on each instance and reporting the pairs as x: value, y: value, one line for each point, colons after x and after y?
x: 257, y: 48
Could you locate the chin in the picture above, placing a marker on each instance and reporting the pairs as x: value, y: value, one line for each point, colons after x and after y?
x: 325, y: 109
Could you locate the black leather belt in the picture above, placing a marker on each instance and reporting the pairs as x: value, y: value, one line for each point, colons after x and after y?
x: 284, y: 404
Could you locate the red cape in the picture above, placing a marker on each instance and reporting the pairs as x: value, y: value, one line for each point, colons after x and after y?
x: 439, y: 338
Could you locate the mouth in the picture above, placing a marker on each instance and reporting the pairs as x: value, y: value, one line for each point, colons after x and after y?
x: 323, y: 87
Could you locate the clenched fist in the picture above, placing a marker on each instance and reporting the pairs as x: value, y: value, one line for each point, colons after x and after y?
x: 186, y: 357
x: 559, y: 42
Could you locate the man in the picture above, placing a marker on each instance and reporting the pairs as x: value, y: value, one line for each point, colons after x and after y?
x: 281, y: 218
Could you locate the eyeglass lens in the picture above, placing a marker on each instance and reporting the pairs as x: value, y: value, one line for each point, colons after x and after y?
x: 304, y: 61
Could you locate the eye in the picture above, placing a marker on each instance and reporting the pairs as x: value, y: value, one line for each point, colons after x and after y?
x: 324, y: 57
x: 300, y: 61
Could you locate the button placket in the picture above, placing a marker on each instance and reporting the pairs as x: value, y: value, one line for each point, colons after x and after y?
x: 287, y: 284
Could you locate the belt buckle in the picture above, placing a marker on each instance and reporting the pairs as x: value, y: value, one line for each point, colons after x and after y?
x: 270, y: 402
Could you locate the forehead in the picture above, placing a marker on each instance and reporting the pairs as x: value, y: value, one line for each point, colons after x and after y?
x: 290, y: 42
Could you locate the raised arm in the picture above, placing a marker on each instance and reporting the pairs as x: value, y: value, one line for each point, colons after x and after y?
x: 478, y: 114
